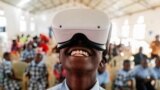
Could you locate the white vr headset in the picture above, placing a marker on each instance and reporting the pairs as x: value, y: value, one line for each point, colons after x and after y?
x: 90, y: 26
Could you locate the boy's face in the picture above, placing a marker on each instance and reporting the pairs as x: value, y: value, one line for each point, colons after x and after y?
x: 38, y: 58
x: 144, y: 63
x: 127, y: 66
x: 29, y: 47
x: 79, y: 58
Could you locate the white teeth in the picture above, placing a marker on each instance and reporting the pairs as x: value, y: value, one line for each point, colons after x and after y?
x: 79, y: 53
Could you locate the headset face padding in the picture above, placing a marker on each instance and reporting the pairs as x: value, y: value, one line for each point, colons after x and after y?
x: 81, y: 39
x: 92, y: 26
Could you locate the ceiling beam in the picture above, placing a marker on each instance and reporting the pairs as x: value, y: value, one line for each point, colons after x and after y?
x: 128, y: 5
x: 81, y: 1
x: 87, y: 4
x: 113, y: 3
x: 97, y: 4
x: 61, y: 2
x: 9, y: 3
x: 139, y: 11
x: 52, y: 2
x: 146, y: 4
x: 43, y: 3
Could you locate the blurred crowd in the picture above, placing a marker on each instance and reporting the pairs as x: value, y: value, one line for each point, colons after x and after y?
x: 136, y: 71
x: 121, y: 71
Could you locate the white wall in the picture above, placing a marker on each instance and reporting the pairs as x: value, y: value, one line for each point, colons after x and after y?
x: 151, y: 19
x: 152, y: 22
x: 13, y: 16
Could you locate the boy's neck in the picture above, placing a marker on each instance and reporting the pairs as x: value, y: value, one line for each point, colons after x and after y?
x: 81, y: 82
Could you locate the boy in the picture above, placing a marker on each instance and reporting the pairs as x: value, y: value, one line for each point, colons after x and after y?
x: 122, y: 80
x: 81, y: 35
x: 37, y: 74
x: 10, y: 82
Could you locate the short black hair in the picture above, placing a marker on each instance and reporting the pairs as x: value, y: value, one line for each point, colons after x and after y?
x: 40, y: 55
x: 6, y: 54
x: 104, y: 58
x: 158, y: 58
x: 126, y: 61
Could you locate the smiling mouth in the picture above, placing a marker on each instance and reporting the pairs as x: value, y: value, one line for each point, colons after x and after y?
x: 79, y: 53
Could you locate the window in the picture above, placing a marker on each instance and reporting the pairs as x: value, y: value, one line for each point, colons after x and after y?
x: 139, y: 29
x: 125, y: 30
x: 23, y: 25
x: 32, y: 25
x: 3, y: 33
x: 1, y: 12
x: 2, y: 21
x: 114, y: 34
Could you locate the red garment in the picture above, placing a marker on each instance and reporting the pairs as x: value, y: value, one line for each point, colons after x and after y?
x: 44, y: 47
x: 57, y: 74
x: 44, y: 38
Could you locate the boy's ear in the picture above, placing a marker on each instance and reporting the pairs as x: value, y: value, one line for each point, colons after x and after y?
x: 101, y: 64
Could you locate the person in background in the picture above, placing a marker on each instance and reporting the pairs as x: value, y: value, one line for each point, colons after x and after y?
x: 139, y: 56
x: 157, y: 67
x: 44, y: 46
x: 50, y: 33
x: 10, y: 82
x: 157, y: 71
x: 143, y: 75
x: 123, y: 82
x: 44, y: 38
x: 155, y: 46
x: 28, y: 54
x: 36, y: 41
x: 59, y: 72
x: 19, y: 44
x: 37, y: 74
x: 28, y: 38
x: 14, y: 47
x: 23, y: 39
x: 103, y: 76
x: 1, y: 75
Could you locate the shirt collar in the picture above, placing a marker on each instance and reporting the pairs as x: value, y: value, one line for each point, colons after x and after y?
x: 39, y: 64
x: 6, y: 61
x: 95, y: 87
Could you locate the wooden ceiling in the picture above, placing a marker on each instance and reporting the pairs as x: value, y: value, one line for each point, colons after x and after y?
x: 115, y: 8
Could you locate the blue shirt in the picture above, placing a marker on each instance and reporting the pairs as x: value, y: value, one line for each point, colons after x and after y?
x: 122, y: 78
x: 63, y: 86
x: 142, y: 72
x: 103, y: 78
x: 28, y: 54
x: 157, y: 71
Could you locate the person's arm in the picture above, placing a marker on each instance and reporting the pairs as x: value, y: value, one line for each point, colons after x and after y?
x: 9, y: 72
x: 24, y: 56
x: 105, y: 79
x: 27, y: 72
x: 46, y: 75
x: 154, y: 76
x: 130, y: 84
